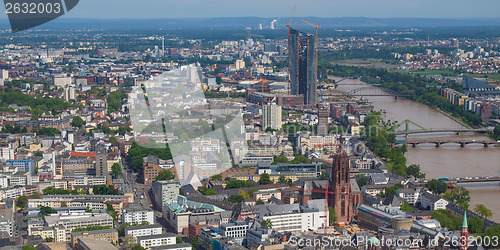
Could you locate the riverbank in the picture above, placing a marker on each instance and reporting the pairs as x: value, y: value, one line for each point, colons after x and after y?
x: 449, y: 160
x: 453, y: 118
x: 416, y: 88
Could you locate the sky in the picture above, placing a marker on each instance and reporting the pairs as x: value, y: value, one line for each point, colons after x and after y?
x: 144, y: 9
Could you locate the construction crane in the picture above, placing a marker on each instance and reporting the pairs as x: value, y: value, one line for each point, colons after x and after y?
x: 326, y: 192
x: 290, y: 22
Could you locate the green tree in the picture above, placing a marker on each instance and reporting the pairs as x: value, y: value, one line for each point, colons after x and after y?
x: 165, y: 174
x: 447, y: 219
x: 77, y: 122
x: 266, y: 224
x: 138, y: 247
x: 49, y: 239
x: 236, y: 198
x: 282, y: 179
x: 35, y: 195
x: 47, y: 210
x: 492, y: 231
x: 111, y: 211
x: 195, y: 243
x: 113, y: 140
x: 115, y: 100
x: 280, y: 159
x: 406, y: 207
x: 482, y: 210
x: 265, y: 179
x: 91, y: 228
x: 28, y: 247
x: 207, y: 191
x: 475, y: 224
x: 178, y: 240
x: 104, y: 190
x: 414, y: 170
x: 437, y: 186
x: 233, y: 183
x: 399, y: 169
x: 332, y: 215
x: 300, y: 159
x: 496, y: 133
x: 259, y: 202
x: 361, y: 180
x: 22, y: 201
x: 393, y: 189
x: 216, y: 177
x: 460, y: 196
x: 128, y: 241
x: 116, y: 169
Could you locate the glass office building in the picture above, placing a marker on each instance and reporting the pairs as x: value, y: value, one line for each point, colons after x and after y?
x: 302, y: 65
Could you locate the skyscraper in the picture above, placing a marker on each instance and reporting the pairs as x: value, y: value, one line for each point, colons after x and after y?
x: 323, y: 125
x: 302, y: 65
x: 101, y: 164
x: 271, y: 116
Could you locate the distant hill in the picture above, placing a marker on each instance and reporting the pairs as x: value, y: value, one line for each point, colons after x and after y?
x: 254, y: 22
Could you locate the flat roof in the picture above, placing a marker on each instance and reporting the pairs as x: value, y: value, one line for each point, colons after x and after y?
x: 156, y: 236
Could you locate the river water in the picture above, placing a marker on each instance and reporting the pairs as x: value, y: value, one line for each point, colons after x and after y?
x: 449, y: 160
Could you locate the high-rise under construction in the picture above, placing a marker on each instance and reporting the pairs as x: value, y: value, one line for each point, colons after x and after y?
x: 302, y: 65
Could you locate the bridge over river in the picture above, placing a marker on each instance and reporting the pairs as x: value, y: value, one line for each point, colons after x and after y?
x: 440, y: 141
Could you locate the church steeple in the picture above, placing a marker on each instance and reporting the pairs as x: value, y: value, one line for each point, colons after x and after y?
x: 464, y: 244
x: 464, y: 223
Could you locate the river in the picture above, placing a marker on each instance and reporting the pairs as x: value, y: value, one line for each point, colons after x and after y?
x: 449, y: 160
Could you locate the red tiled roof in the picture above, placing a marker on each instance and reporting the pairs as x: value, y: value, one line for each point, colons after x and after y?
x: 83, y: 154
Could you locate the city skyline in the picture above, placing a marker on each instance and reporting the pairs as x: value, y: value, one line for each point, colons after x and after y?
x: 281, y: 8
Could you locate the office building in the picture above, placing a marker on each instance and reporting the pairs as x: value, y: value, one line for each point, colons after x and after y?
x: 101, y: 165
x: 109, y: 235
x: 165, y: 191
x: 302, y: 65
x: 323, y: 126
x: 271, y: 117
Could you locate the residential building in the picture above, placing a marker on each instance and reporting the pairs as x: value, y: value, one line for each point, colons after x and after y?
x: 411, y: 195
x: 157, y: 240
x: 101, y: 165
x: 144, y: 230
x: 432, y: 202
x: 271, y: 117
x: 138, y: 216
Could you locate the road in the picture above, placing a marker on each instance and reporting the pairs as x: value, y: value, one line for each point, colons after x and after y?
x: 132, y: 180
x: 141, y: 197
x: 20, y: 232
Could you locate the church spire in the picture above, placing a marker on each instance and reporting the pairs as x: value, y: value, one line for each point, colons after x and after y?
x: 464, y: 223
x: 464, y: 244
